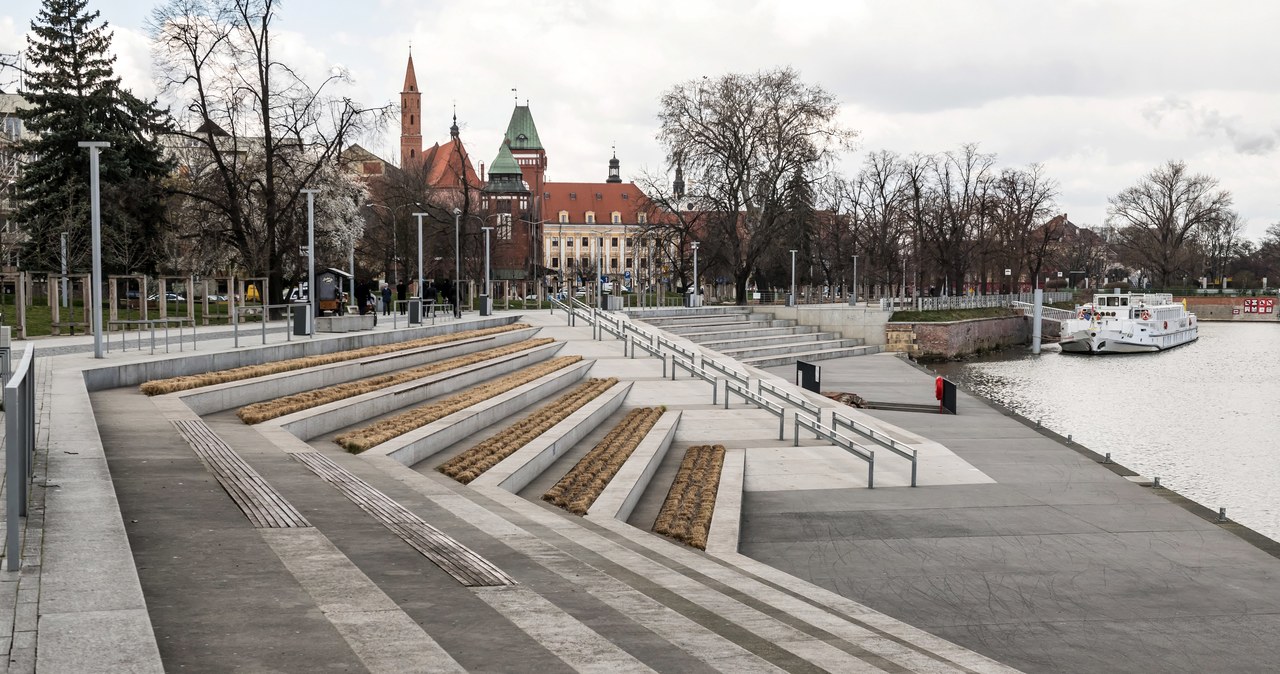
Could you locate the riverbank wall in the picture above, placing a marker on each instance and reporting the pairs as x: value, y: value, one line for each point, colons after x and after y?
x: 957, y: 339
x: 1247, y: 309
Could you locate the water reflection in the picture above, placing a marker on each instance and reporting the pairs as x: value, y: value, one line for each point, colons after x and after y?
x: 1202, y: 417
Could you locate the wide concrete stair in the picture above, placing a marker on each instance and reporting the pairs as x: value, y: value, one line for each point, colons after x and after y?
x: 751, y: 336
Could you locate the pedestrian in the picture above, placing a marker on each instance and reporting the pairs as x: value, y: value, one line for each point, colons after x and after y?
x: 386, y: 299
x: 430, y: 296
x: 402, y: 294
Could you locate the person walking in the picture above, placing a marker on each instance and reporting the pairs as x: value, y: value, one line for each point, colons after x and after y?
x: 386, y: 299
x: 402, y: 294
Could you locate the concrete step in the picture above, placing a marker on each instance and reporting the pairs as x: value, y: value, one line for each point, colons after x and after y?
x: 679, y: 321
x: 642, y: 314
x: 744, y: 333
x: 824, y: 354
x: 714, y: 327
x: 721, y: 344
x: 749, y: 353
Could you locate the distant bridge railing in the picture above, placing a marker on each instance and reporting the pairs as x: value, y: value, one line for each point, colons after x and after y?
x: 1051, y: 313
x: 952, y: 302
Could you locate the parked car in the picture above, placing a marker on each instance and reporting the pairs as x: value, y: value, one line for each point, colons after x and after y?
x: 217, y: 298
x: 580, y: 292
x: 168, y: 297
x: 531, y: 297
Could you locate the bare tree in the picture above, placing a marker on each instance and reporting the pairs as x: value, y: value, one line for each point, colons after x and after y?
x: 252, y: 132
x: 1156, y: 219
x: 1024, y: 200
x: 955, y: 227
x: 672, y: 220
x: 884, y: 197
x: 742, y: 138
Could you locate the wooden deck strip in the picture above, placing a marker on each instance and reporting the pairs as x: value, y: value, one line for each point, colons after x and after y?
x: 259, y: 501
x: 454, y: 558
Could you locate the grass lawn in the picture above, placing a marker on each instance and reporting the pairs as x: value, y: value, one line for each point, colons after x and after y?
x: 950, y: 315
x: 40, y: 316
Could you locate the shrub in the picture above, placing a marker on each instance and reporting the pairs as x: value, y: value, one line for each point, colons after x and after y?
x: 270, y: 409
x: 691, y: 501
x: 383, y: 430
x: 470, y: 464
x: 582, y: 485
x: 186, y: 382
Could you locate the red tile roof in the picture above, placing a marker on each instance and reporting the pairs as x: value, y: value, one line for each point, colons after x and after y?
x: 443, y: 164
x: 601, y: 198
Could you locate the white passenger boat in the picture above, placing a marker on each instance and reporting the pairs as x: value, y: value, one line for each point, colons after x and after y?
x: 1129, y: 323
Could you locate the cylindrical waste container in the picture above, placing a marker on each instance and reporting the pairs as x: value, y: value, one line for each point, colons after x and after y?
x: 415, y: 311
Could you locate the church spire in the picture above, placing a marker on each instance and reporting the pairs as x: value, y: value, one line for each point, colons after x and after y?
x: 453, y: 130
x: 677, y: 187
x: 410, y: 118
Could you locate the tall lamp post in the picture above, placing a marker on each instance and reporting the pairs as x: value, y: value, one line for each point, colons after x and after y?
x: 311, y: 260
x: 697, y: 298
x: 419, y: 216
x: 853, y: 294
x: 486, y: 302
x: 96, y: 220
x: 395, y: 273
x: 457, y: 263
x: 791, y: 301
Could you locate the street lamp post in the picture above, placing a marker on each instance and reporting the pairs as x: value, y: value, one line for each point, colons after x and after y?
x: 697, y: 298
x: 419, y: 216
x: 311, y: 261
x: 853, y: 297
x: 96, y: 221
x: 486, y: 302
x: 791, y: 301
x: 457, y: 263
x: 64, y: 270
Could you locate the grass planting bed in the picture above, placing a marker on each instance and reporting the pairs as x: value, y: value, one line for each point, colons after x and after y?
x: 686, y: 513
x: 187, y: 382
x: 582, y: 485
x: 472, y: 463
x: 363, y: 438
x: 270, y: 409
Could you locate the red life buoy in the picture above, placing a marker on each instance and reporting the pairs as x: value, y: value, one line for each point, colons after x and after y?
x: 937, y: 386
x: 1166, y: 325
x: 1146, y: 315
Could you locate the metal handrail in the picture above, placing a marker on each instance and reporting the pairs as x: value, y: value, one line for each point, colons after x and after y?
x: 910, y: 454
x: 262, y: 309
x: 611, y: 328
x: 796, y: 401
x: 840, y: 441
x: 1052, y: 313
x: 696, y: 371
x: 567, y: 309
x: 152, y: 322
x: 759, y: 401
x: 724, y: 370
x: 640, y: 332
x: 675, y: 348
x: 651, y: 350
x: 20, y: 447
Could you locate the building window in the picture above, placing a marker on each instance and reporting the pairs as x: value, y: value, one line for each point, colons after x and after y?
x: 411, y: 154
x: 568, y: 243
x: 591, y: 217
x: 564, y: 216
x: 613, y: 242
x: 644, y: 263
x: 555, y: 262
x: 586, y: 262
x: 555, y: 243
x: 546, y: 196
x: 624, y: 196
x: 616, y: 218
x: 640, y: 218
x: 599, y: 196
x: 627, y: 263
x: 585, y: 243
x: 613, y: 263
x: 504, y: 227
x: 573, y: 196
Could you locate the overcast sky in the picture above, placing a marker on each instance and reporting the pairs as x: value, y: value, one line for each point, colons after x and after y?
x: 1099, y: 91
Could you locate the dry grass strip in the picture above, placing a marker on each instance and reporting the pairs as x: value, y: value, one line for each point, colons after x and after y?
x: 582, y: 485
x: 270, y: 409
x: 162, y: 386
x: 363, y: 438
x: 686, y: 514
x: 470, y: 464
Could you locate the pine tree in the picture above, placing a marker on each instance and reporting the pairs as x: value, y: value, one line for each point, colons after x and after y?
x: 76, y: 96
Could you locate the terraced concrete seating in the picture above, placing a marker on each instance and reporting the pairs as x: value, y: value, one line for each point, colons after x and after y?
x: 751, y: 336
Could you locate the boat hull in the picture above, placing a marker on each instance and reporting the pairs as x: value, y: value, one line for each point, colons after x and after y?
x: 1105, y: 341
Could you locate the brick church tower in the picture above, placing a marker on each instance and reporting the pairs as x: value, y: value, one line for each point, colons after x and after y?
x: 410, y: 120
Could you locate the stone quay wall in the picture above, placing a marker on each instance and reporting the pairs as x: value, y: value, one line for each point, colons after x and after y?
x: 955, y: 339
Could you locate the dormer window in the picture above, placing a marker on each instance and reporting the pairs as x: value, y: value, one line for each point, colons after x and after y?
x: 564, y: 216
x: 616, y: 218
x: 640, y: 218
x: 591, y: 217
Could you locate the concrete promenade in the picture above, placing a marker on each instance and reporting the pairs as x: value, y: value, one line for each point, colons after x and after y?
x: 1017, y: 551
x: 1061, y: 564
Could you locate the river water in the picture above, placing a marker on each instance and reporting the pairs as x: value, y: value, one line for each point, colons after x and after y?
x: 1204, y: 417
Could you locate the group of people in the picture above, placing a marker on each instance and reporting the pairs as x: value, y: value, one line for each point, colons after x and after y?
x: 368, y: 294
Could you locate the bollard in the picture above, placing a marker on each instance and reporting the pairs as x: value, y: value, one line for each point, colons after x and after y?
x: 1068, y: 438
x: 1107, y: 458
x: 1222, y: 514
x: 1037, y: 423
x: 1155, y: 483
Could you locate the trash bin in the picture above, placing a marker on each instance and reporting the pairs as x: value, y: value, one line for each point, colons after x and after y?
x: 415, y: 311
x: 302, y: 322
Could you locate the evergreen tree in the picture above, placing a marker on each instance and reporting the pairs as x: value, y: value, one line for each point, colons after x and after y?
x: 76, y: 96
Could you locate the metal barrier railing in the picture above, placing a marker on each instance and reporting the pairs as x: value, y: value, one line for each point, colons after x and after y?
x: 757, y: 400
x: 566, y: 308
x: 794, y: 400
x: 432, y: 310
x: 1052, y: 313
x: 262, y: 310
x: 676, y: 348
x: 840, y: 441
x: 20, y: 448
x: 640, y: 332
x: 612, y: 328
x: 910, y: 454
x: 724, y: 370
x: 181, y: 321
x: 651, y: 350
x: 695, y: 371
